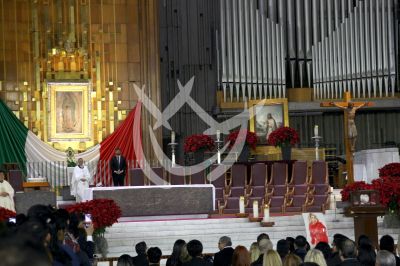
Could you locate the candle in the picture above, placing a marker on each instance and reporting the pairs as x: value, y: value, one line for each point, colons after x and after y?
x: 218, y: 134
x: 266, y: 213
x: 316, y: 130
x: 173, y: 137
x: 219, y: 157
x: 241, y: 204
x: 173, y: 160
x: 255, y: 209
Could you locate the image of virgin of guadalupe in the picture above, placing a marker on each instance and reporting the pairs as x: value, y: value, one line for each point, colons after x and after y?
x: 68, y: 112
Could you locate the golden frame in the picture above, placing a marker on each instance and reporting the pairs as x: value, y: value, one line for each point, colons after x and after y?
x: 69, y: 111
x: 278, y: 108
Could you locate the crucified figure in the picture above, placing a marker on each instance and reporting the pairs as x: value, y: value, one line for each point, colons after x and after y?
x: 350, y: 109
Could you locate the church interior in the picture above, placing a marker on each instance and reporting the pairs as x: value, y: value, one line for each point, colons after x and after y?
x: 200, y: 117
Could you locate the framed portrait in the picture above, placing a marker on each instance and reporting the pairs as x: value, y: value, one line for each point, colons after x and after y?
x: 268, y: 117
x: 69, y: 111
x: 316, y: 228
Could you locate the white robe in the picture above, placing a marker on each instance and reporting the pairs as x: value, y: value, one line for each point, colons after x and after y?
x: 78, y: 186
x: 8, y: 201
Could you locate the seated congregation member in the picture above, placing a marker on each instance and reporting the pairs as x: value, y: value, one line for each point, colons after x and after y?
x: 262, y: 236
x: 254, y: 252
x: 300, y: 246
x: 385, y: 258
x: 272, y: 258
x: 325, y: 249
x: 154, y: 255
x: 241, y: 256
x: 195, y: 250
x: 290, y: 240
x: 264, y: 245
x: 141, y: 258
x: 315, y: 255
x: 6, y: 193
x: 282, y: 247
x: 366, y: 255
x: 292, y: 260
x: 80, y: 180
x: 348, y: 253
x: 387, y: 243
x: 174, y: 259
x: 125, y: 260
x: 83, y: 233
x: 338, y: 240
x: 224, y: 256
x: 184, y: 257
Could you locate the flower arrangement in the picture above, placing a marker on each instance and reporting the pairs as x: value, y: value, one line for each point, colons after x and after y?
x: 197, y: 142
x: 359, y: 185
x: 283, y: 136
x: 104, y: 212
x: 391, y: 169
x: 6, y: 214
x: 71, y: 162
x: 250, y: 138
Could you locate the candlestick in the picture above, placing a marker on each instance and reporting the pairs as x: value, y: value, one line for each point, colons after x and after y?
x: 316, y: 130
x: 255, y: 209
x: 173, y: 137
x: 241, y: 204
x: 266, y: 213
x: 218, y: 134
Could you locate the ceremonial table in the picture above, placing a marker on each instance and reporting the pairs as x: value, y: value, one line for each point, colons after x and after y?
x: 158, y: 200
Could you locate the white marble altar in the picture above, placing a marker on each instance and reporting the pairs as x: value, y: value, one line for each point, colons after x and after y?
x: 373, y: 160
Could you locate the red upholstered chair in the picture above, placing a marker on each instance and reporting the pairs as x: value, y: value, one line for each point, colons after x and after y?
x: 137, y: 177
x: 276, y: 204
x: 238, y: 184
x: 197, y: 177
x: 277, y: 186
x: 160, y: 172
x: 299, y: 182
x: 258, y: 181
x: 177, y: 176
x: 317, y: 203
x: 217, y: 177
x: 319, y: 178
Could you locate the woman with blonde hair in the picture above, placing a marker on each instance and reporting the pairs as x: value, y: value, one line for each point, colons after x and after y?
x: 241, y: 257
x: 272, y: 258
x: 315, y: 255
x: 292, y: 260
x: 254, y: 252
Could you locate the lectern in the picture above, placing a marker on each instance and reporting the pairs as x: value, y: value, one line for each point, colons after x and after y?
x: 365, y: 208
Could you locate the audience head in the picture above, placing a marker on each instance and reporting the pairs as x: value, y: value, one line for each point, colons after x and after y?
x: 385, y: 258
x: 141, y: 248
x: 224, y: 241
x: 184, y: 256
x: 364, y: 240
x: 177, y: 251
x: 300, y: 242
x: 43, y: 213
x: 125, y: 260
x: 348, y: 249
x: 292, y: 260
x: 154, y: 255
x: 241, y: 257
x: 386, y: 243
x: 366, y: 255
x: 282, y: 247
x: 315, y: 255
x: 254, y: 252
x: 325, y: 249
x: 264, y: 245
x: 194, y: 248
x: 290, y: 240
x: 262, y: 236
x: 338, y: 239
x: 272, y: 258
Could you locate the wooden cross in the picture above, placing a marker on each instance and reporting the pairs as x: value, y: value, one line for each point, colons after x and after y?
x: 350, y: 133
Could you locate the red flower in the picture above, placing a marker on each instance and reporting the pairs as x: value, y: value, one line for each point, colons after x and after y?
x: 196, y: 142
x: 359, y: 185
x: 6, y: 214
x: 251, y: 138
x: 391, y: 169
x: 105, y: 212
x: 283, y: 135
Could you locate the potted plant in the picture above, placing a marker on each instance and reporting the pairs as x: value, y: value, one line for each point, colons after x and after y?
x: 197, y: 144
x: 250, y: 141
x: 285, y: 138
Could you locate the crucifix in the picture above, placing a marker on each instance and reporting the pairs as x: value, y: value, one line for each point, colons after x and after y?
x: 350, y: 131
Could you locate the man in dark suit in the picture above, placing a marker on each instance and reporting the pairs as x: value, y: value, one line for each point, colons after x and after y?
x: 224, y: 256
x: 141, y: 258
x: 300, y: 247
x: 154, y: 254
x: 348, y: 253
x: 195, y: 248
x: 118, y: 168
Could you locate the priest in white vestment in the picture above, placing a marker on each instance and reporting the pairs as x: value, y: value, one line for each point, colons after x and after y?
x: 6, y: 193
x: 80, y: 180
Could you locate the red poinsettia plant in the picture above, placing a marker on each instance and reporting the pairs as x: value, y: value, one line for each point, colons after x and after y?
x: 250, y: 138
x: 359, y: 185
x: 391, y: 169
x: 6, y: 214
x: 283, y: 136
x: 197, y: 142
x: 104, y: 212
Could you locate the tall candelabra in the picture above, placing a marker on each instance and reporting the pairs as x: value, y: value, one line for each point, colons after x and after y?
x: 218, y: 142
x: 316, y: 139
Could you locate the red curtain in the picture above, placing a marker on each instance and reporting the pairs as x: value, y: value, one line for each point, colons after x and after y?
x: 123, y: 137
